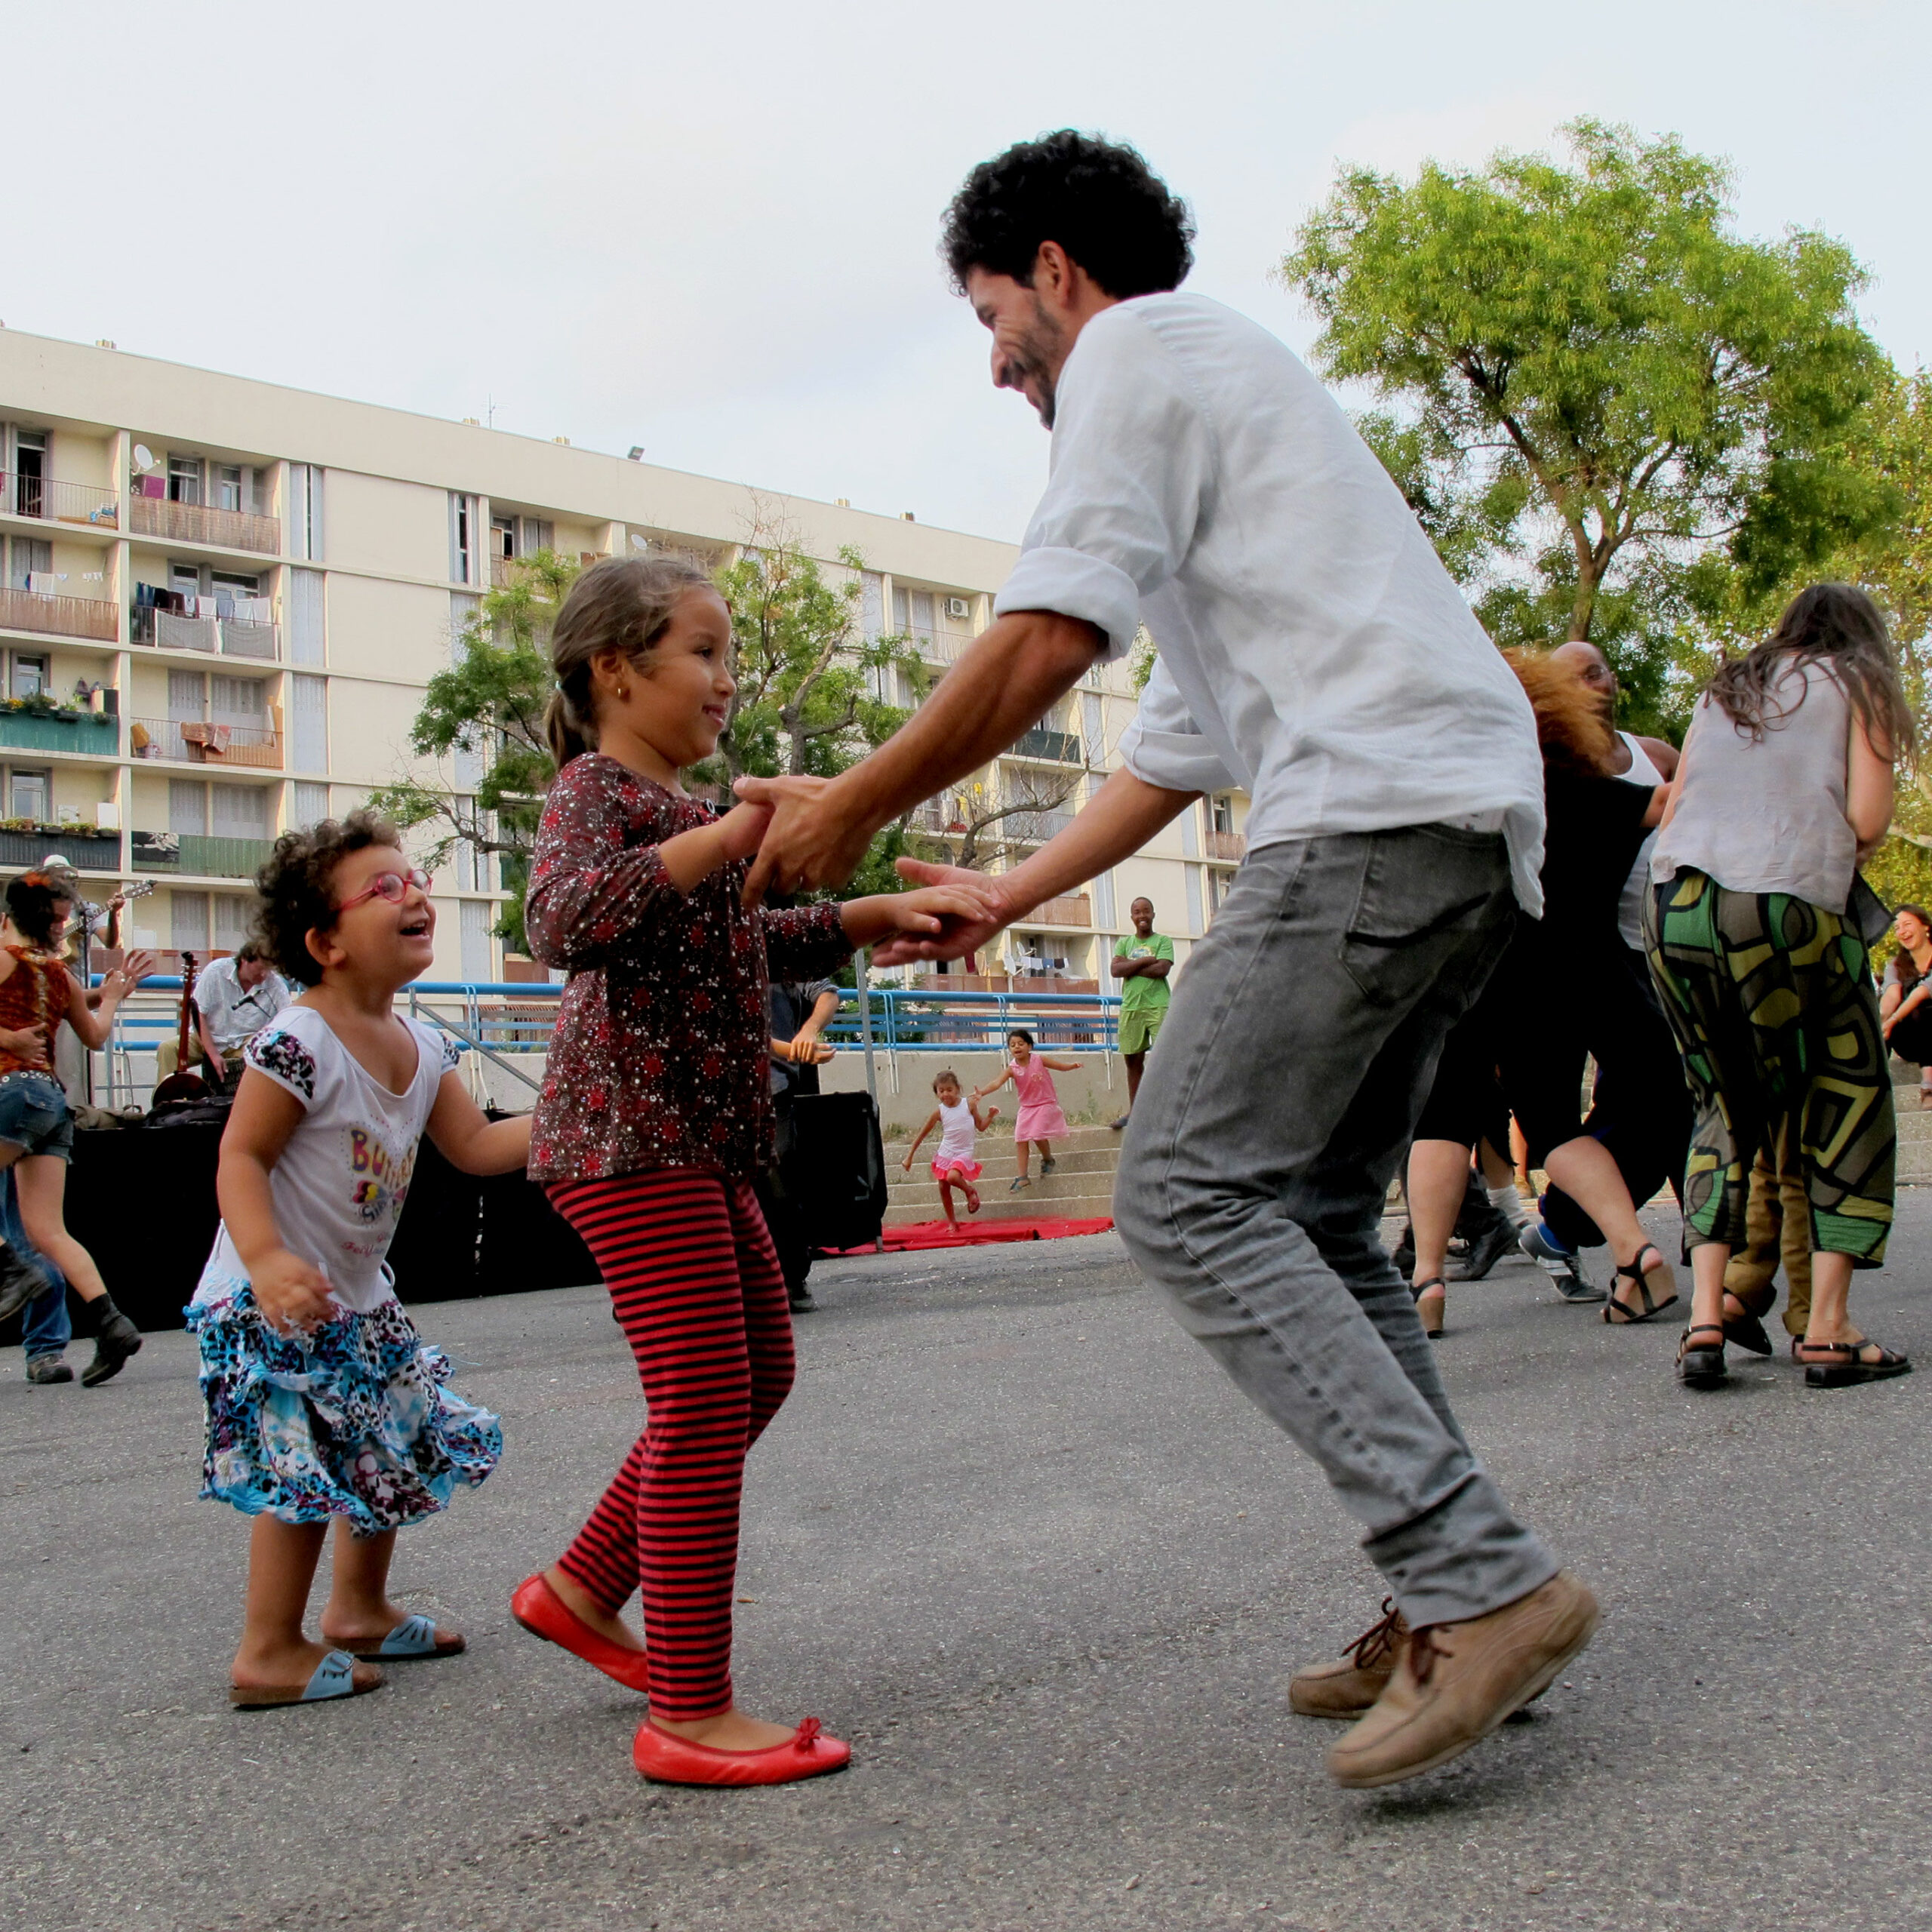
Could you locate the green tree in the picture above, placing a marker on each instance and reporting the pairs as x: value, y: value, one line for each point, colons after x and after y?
x: 1617, y: 419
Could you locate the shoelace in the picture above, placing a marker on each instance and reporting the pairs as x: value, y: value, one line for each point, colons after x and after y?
x: 1379, y: 1639
x: 1425, y: 1645
x: 809, y: 1732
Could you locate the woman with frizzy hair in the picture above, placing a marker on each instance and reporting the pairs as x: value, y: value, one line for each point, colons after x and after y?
x: 1758, y: 951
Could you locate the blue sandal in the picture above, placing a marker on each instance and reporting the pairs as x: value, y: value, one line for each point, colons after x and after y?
x: 413, y: 1639
x: 335, y: 1676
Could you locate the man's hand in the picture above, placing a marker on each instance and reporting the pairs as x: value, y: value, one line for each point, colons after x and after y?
x: 809, y: 840
x: 29, y: 1045
x: 959, y: 933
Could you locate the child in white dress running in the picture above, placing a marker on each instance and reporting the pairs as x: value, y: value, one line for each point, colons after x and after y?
x: 322, y: 1402
x: 958, y: 1121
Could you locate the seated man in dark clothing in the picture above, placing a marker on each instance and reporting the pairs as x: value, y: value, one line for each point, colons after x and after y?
x: 798, y: 1014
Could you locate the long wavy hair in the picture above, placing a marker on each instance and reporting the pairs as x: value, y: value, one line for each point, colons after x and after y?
x: 1832, y: 624
x: 1570, y: 725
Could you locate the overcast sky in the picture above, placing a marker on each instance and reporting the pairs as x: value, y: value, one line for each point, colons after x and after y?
x: 710, y: 230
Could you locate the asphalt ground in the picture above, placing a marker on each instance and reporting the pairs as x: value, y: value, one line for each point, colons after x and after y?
x: 1017, y: 1539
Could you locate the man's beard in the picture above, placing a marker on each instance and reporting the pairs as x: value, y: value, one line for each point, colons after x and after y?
x: 1037, y: 354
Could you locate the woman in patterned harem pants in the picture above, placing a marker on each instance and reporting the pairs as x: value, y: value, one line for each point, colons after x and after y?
x: 1771, y: 1000
x: 1785, y: 783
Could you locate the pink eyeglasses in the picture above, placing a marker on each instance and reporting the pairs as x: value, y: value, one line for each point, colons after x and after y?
x: 392, y: 886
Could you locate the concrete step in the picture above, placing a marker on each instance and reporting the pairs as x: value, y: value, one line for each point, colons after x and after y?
x: 1097, y: 1162
x: 1080, y: 1196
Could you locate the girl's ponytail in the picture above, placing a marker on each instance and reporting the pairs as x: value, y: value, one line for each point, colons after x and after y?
x: 623, y: 603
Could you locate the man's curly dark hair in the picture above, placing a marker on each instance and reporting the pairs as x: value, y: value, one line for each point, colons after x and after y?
x: 1100, y: 200
x: 297, y: 886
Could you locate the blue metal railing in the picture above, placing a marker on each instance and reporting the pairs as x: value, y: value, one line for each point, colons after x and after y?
x: 517, y: 1016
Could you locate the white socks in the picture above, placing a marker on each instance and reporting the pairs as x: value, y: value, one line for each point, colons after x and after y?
x: 1510, y: 1205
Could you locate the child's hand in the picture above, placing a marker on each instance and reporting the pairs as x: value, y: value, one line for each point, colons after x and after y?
x: 292, y: 1293
x: 908, y: 1164
x: 742, y: 828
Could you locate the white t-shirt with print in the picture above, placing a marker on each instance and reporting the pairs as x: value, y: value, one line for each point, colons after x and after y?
x: 339, y: 1185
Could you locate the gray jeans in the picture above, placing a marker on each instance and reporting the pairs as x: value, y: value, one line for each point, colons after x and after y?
x: 1294, y: 1062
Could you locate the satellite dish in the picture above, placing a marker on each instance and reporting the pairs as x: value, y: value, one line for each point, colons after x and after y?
x: 639, y: 541
x: 143, y: 456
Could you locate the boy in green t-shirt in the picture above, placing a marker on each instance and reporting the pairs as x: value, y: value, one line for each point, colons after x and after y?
x: 1141, y: 965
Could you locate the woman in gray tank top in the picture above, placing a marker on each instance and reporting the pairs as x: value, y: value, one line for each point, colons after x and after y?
x: 1785, y: 785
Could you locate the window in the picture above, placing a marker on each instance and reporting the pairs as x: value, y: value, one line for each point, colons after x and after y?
x: 188, y: 808
x: 1090, y: 717
x: 475, y: 922
x: 185, y: 578
x: 912, y: 614
x: 311, y: 804
x: 462, y: 614
x: 871, y: 603
x: 184, y: 479
x: 188, y: 922
x: 30, y: 674
x: 29, y: 466
x: 238, y: 811
x: 29, y: 559
x: 228, y: 481
x: 306, y: 619
x: 463, y: 538
x: 29, y: 795
x: 305, y: 510
x: 1222, y: 811
x: 310, y: 704
x: 231, y: 917
x: 1195, y: 925
x: 1103, y: 907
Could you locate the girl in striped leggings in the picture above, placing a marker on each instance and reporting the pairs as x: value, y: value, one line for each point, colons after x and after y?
x: 656, y: 1113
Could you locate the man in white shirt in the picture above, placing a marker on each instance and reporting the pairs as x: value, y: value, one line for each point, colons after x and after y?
x: 235, y: 998
x: 1313, y: 652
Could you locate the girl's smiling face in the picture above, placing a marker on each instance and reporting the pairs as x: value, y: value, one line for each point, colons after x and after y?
x: 394, y: 940
x: 1020, y: 1050
x: 948, y: 1091
x: 1911, y: 930
x: 665, y: 712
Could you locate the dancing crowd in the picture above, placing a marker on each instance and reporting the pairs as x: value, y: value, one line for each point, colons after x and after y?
x: 1463, y: 885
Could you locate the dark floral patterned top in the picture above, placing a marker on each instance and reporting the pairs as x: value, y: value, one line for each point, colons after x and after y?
x: 659, y: 1057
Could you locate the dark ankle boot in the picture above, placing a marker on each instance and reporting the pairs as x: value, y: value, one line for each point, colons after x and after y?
x: 116, y: 1338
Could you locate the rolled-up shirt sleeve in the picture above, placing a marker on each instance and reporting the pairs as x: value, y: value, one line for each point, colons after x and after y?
x: 1132, y: 453
x: 1164, y: 746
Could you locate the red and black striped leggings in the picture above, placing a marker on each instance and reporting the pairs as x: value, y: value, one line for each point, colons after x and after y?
x: 695, y: 1285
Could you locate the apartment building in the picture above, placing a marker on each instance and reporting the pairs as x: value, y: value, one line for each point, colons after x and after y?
x: 221, y: 602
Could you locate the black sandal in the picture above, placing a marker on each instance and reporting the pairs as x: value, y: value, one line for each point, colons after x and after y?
x: 1620, y: 1314
x: 1747, y: 1329
x: 1699, y: 1365
x: 1852, y: 1368
x: 1417, y: 1291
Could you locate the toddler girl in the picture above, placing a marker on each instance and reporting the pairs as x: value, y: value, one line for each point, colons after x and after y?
x: 953, y: 1165
x: 1040, y: 1121
x: 655, y: 1115
x: 322, y: 1400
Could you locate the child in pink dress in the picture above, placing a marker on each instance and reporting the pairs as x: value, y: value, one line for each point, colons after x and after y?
x: 1040, y: 1121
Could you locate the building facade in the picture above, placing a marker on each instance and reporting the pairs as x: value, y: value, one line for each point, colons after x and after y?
x: 221, y: 602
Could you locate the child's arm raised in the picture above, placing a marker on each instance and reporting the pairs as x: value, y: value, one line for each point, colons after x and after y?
x: 1058, y: 1066
x: 918, y: 914
x: 588, y: 889
x: 291, y: 1292
x: 982, y: 1121
x: 471, y: 1142
x: 923, y: 1132
x: 980, y: 1093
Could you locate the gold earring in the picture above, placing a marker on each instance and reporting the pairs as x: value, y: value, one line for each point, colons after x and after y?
x: 623, y: 694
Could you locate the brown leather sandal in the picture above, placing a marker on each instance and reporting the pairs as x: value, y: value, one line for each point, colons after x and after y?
x: 1620, y: 1314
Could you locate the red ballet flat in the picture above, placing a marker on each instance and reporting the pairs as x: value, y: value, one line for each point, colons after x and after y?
x: 544, y: 1613
x: 666, y: 1758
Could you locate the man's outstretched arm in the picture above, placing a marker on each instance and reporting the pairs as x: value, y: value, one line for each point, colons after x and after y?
x: 1125, y: 812
x: 1008, y: 676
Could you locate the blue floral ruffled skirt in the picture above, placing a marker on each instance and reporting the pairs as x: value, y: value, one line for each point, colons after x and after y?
x: 349, y: 1420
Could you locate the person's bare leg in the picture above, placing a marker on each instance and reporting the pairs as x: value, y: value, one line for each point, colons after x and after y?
x: 1438, y: 1177
x: 1135, y: 1062
x: 275, y: 1652
x: 730, y: 1730
x: 946, y: 1201
x: 1830, y: 1294
x: 40, y: 1183
x: 359, y: 1613
x: 1587, y: 1171
x: 589, y: 1612
x: 1708, y: 1260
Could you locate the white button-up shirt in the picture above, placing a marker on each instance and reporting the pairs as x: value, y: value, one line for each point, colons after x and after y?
x: 1312, y: 649
x: 235, y: 1016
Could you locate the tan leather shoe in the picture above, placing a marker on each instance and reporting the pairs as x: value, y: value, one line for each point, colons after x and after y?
x: 1350, y: 1683
x: 1454, y: 1683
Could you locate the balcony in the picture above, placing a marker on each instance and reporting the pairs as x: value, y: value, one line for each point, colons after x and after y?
x: 52, y: 501
x: 62, y: 616
x: 1075, y: 908
x: 193, y: 743
x: 1059, y: 747
x: 94, y: 734
x: 199, y: 523
x: 1229, y: 849
x: 197, y: 855
x: 90, y: 851
x: 225, y: 637
x: 1033, y: 828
